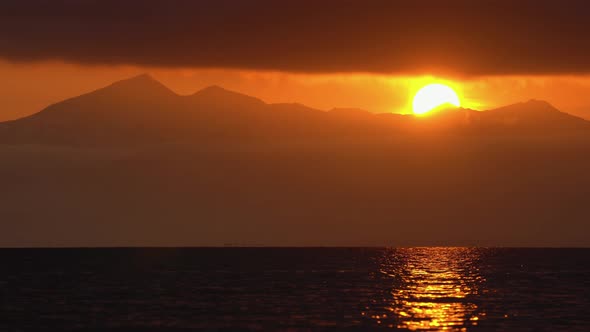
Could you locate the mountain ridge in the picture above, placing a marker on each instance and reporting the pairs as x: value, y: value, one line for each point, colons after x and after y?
x: 141, y: 110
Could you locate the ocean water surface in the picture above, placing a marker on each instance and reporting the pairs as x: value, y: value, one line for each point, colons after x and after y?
x: 295, y: 289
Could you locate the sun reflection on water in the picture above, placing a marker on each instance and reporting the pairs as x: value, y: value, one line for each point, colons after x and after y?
x: 432, y: 289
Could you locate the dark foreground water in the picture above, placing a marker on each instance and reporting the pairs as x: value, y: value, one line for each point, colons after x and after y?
x: 244, y: 289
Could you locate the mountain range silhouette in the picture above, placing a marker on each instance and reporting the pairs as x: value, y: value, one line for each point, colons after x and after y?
x: 140, y: 111
x: 134, y: 164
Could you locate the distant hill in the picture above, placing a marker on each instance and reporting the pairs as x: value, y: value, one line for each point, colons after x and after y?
x: 142, y: 111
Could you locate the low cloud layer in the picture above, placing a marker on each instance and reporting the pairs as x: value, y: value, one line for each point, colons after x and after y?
x: 453, y: 37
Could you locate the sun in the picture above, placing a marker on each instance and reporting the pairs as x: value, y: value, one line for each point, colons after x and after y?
x: 432, y: 96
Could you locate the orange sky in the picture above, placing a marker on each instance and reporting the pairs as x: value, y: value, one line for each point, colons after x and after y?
x: 29, y: 87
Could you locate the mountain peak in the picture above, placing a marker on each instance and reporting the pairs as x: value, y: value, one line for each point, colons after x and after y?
x: 212, y: 89
x: 135, y: 80
x: 215, y: 94
x: 539, y: 104
x: 534, y: 113
x: 216, y: 90
x: 143, y: 84
x: 141, y: 77
x: 531, y: 106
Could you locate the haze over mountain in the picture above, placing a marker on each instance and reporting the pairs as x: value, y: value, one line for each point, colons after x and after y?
x: 136, y: 164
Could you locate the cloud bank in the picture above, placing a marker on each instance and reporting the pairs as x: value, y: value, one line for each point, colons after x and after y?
x: 451, y: 37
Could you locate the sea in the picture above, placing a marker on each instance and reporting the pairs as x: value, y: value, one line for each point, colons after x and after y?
x: 295, y: 289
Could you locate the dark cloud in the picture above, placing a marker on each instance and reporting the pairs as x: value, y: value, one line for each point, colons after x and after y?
x: 428, y: 36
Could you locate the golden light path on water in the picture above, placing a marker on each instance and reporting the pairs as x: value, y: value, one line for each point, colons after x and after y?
x: 432, y: 289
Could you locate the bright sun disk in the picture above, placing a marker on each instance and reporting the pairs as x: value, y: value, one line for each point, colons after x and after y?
x: 432, y: 96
